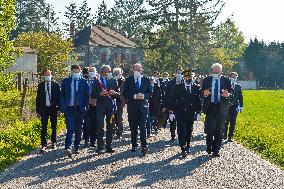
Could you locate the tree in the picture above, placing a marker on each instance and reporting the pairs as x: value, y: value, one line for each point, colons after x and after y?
x: 186, y: 27
x: 102, y: 16
x: 52, y: 50
x: 7, y: 23
x: 80, y: 16
x: 35, y: 16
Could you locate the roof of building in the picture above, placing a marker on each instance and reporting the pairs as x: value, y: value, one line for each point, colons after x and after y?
x: 102, y: 36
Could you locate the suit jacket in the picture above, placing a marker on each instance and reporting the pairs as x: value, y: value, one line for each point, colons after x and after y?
x: 169, y: 92
x: 236, y: 97
x: 129, y: 92
x: 155, y: 101
x: 224, y: 102
x: 41, y: 97
x: 83, y: 94
x: 185, y: 103
x: 104, y: 103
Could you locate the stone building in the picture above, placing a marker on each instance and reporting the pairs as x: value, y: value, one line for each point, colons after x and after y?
x: 95, y: 46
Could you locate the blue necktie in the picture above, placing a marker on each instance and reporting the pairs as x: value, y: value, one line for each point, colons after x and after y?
x: 75, y: 92
x: 137, y: 85
x: 216, y: 92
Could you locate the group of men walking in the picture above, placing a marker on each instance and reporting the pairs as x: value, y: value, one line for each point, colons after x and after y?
x: 93, y: 104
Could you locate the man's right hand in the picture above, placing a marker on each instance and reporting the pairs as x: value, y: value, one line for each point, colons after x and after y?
x: 103, y: 93
x: 206, y: 92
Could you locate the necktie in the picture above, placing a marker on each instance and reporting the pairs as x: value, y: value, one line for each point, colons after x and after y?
x: 216, y: 92
x: 75, y: 93
x: 137, y: 85
x: 188, y: 89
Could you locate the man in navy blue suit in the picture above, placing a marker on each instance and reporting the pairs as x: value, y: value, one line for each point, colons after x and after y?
x: 216, y: 91
x: 137, y: 91
x: 74, y: 101
x: 47, y: 106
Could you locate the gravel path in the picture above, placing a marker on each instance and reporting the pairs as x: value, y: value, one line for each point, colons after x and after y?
x: 161, y: 168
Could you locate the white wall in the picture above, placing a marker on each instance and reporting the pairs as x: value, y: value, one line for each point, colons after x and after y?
x: 25, y: 63
x: 248, y: 84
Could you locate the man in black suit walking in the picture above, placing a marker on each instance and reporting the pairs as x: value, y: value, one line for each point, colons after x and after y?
x: 235, y: 106
x: 185, y: 102
x: 216, y: 90
x: 137, y: 91
x: 47, y: 107
x: 104, y: 91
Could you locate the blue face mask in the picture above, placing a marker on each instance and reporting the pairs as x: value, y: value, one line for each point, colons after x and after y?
x: 109, y: 75
x: 76, y: 75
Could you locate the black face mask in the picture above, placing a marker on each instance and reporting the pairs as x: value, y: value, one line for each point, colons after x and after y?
x: 86, y: 77
x: 188, y: 81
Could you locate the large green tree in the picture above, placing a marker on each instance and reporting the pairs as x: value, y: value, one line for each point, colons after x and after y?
x: 7, y: 23
x: 80, y: 16
x: 35, y: 16
x: 53, y: 51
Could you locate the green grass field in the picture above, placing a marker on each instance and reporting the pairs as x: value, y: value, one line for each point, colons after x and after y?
x: 261, y: 126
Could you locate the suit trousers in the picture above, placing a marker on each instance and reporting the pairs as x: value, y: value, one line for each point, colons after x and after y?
x: 103, y: 117
x: 118, y: 118
x: 231, y: 119
x: 215, y: 128
x: 48, y: 113
x: 137, y: 119
x: 184, y: 130
x: 74, y: 119
x: 89, y: 127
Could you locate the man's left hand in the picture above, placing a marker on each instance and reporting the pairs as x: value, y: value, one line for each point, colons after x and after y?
x: 225, y: 93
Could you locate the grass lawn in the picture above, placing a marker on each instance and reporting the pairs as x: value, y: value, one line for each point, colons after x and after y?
x: 260, y: 126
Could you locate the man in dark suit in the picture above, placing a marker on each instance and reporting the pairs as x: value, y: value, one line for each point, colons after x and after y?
x: 47, y: 106
x: 137, y: 91
x: 185, y: 102
x: 104, y: 91
x: 74, y: 102
x: 216, y: 91
x: 235, y: 106
x: 167, y: 101
x: 164, y: 83
x: 117, y: 72
x: 90, y: 121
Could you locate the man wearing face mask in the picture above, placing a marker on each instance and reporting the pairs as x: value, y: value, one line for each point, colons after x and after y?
x: 185, y: 102
x: 168, y: 97
x: 74, y: 102
x: 85, y: 73
x: 105, y: 90
x: 118, y: 77
x: 164, y: 83
x: 235, y: 106
x: 216, y: 90
x: 47, y: 107
x: 137, y: 91
x: 89, y: 127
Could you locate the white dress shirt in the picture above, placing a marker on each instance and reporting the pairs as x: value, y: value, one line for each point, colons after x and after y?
x: 72, y: 91
x: 213, y: 87
x: 47, y: 93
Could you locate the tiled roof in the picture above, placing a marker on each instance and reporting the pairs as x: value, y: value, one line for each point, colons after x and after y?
x: 104, y: 36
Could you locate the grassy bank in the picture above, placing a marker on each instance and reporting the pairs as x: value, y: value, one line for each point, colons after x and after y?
x: 17, y: 138
x: 261, y: 126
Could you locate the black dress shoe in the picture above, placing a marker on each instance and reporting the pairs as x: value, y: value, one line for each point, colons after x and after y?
x: 77, y: 151
x: 209, y: 151
x: 110, y: 150
x: 86, y: 144
x: 42, y: 150
x: 133, y: 149
x: 215, y: 154
x: 183, y: 154
x: 68, y: 153
x: 53, y: 146
x: 92, y: 145
x: 99, y: 151
x: 172, y: 139
x: 230, y: 140
x: 145, y: 151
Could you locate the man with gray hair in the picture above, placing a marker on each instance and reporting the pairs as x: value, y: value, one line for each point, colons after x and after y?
x: 137, y: 91
x: 216, y: 90
x: 103, y: 91
x: 118, y: 77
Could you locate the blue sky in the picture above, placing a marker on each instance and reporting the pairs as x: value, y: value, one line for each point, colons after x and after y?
x: 255, y: 18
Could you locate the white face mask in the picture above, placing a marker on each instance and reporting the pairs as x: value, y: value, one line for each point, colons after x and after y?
x: 156, y: 78
x: 116, y: 77
x: 47, y: 78
x: 165, y: 78
x: 179, y: 76
x: 76, y: 75
x: 92, y: 75
x: 233, y: 80
x: 137, y: 74
x: 215, y: 76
